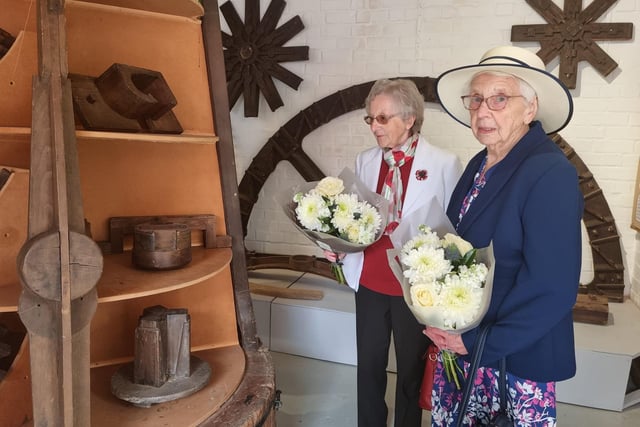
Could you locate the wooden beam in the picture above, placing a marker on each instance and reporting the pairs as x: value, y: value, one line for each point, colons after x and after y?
x: 58, y: 264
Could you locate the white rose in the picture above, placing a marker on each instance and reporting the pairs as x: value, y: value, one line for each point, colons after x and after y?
x: 330, y: 186
x: 423, y: 295
x: 462, y: 245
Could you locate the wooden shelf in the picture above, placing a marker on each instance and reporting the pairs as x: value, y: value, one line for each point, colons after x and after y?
x: 183, y: 138
x: 15, y: 133
x: 9, y: 298
x: 23, y: 134
x: 227, y: 368
x: 121, y: 280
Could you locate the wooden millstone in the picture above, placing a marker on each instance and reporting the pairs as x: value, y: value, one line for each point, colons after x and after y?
x: 123, y: 387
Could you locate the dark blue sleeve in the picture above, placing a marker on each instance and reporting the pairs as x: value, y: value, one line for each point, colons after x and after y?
x: 547, y: 280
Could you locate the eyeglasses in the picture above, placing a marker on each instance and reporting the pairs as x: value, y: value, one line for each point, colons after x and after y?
x: 380, y: 118
x: 495, y: 102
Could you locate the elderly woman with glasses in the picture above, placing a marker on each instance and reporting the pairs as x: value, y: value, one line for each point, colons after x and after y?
x: 521, y: 194
x: 409, y: 172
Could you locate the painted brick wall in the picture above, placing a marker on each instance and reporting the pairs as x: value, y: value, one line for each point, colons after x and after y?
x: 355, y: 41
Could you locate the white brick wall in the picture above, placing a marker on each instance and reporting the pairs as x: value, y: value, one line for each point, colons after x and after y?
x: 355, y: 41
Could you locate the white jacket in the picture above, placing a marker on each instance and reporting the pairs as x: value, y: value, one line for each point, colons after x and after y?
x: 443, y: 169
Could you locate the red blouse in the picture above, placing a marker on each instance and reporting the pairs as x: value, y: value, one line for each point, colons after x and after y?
x: 376, y: 274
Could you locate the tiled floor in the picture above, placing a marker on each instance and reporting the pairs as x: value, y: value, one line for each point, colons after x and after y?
x: 317, y: 393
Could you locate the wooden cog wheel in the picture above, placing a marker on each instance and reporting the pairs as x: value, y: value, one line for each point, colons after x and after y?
x: 254, y: 50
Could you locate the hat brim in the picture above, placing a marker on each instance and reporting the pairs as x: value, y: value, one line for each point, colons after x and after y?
x: 555, y: 105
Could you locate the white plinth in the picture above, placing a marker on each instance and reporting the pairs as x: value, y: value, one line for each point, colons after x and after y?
x: 321, y: 329
x: 604, y: 354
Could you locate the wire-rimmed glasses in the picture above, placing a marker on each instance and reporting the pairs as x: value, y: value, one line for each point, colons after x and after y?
x: 494, y: 102
x: 383, y: 119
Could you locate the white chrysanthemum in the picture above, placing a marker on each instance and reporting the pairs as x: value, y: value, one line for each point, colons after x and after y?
x: 474, y: 275
x: 460, y: 302
x: 346, y: 206
x: 424, y: 239
x: 424, y: 295
x: 330, y: 186
x: 425, y: 264
x: 311, y: 210
x: 352, y: 232
x: 366, y: 236
x: 370, y: 219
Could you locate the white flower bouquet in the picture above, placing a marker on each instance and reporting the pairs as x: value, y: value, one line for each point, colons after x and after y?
x: 446, y: 282
x: 339, y: 214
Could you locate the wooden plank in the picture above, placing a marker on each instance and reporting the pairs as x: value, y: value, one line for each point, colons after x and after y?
x: 217, y: 86
x: 56, y: 242
x: 252, y: 402
x: 278, y: 292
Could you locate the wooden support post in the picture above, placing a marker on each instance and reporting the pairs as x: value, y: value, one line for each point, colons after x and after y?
x: 59, y: 265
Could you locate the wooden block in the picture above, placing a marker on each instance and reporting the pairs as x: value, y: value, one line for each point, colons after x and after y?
x: 125, y: 98
x: 93, y: 112
x: 161, y: 246
x: 591, y: 308
x: 178, y: 343
x: 134, y: 92
x: 121, y: 226
x: 150, y: 363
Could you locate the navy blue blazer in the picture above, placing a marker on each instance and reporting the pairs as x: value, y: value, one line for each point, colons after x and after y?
x: 531, y: 208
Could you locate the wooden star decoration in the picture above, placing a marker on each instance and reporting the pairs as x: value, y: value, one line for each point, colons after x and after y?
x: 572, y: 35
x: 253, y: 51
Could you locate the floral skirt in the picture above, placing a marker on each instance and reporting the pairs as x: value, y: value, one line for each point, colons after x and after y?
x: 528, y: 403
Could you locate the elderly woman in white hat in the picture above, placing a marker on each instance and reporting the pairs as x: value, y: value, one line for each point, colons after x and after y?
x: 521, y: 193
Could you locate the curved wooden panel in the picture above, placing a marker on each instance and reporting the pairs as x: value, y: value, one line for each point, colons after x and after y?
x: 14, y: 195
x: 286, y: 144
x: 15, y: 405
x: 17, y: 67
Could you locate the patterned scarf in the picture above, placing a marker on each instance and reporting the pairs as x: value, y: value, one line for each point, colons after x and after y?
x: 392, y: 189
x: 479, y: 181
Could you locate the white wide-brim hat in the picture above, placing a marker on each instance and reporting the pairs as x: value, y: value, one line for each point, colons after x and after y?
x: 555, y: 105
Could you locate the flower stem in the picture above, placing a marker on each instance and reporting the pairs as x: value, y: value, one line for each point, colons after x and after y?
x: 336, y: 268
x: 451, y: 368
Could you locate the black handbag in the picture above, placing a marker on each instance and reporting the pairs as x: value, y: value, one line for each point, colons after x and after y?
x: 501, y: 419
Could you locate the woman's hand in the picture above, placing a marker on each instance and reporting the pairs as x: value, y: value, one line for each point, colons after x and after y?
x: 446, y: 340
x: 333, y: 257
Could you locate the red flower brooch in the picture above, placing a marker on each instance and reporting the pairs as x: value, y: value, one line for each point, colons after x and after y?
x: 422, y: 174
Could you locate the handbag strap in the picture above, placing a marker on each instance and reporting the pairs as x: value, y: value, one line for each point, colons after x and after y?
x: 502, y: 384
x: 478, y: 349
